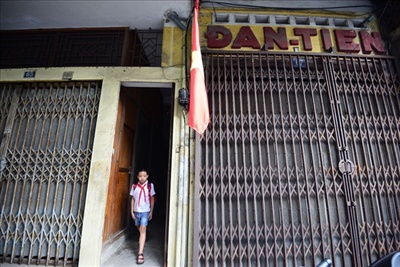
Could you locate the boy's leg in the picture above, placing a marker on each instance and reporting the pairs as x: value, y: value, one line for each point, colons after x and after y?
x: 141, y: 223
x: 142, y: 237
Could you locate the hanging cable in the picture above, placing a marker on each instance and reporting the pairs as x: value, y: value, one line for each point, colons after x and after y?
x: 258, y: 7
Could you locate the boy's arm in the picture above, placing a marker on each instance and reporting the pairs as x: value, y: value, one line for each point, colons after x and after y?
x: 151, y: 207
x: 132, y: 206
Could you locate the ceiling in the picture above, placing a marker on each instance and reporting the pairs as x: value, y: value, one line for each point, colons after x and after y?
x: 41, y: 14
x: 44, y: 14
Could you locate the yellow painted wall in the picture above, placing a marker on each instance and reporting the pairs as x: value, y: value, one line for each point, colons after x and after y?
x: 172, y: 46
x: 180, y: 230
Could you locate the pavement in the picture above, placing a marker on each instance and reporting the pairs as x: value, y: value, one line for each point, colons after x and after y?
x: 125, y: 254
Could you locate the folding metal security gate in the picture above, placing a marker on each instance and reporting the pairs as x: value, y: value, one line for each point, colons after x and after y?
x: 47, y: 132
x: 300, y: 161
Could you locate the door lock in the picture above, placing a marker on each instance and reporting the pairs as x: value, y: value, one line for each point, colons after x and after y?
x: 346, y: 166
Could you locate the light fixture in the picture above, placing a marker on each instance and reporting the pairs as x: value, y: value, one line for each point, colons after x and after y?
x: 183, y: 98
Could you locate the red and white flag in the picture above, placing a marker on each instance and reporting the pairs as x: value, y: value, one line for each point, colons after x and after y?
x: 199, y: 116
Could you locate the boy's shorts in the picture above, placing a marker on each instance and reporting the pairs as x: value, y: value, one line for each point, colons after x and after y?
x: 142, y: 218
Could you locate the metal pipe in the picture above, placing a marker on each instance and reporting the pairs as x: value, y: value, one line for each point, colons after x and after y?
x: 175, y: 18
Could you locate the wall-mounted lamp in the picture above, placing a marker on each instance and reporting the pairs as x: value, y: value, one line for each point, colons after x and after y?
x: 183, y: 98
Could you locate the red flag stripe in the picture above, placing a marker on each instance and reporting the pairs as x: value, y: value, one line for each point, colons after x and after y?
x: 198, y: 107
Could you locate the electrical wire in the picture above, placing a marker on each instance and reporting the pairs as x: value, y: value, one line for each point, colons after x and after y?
x: 383, y: 12
x: 187, y: 65
x: 258, y: 7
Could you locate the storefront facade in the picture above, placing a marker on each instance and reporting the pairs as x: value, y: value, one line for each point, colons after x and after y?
x: 300, y: 162
x: 72, y: 139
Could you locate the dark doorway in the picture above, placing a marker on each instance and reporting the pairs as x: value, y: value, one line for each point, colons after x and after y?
x: 142, y: 140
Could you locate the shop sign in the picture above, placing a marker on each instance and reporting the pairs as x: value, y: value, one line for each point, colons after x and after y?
x: 309, y: 39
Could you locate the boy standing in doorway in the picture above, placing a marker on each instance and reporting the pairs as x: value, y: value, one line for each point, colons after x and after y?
x: 142, y: 205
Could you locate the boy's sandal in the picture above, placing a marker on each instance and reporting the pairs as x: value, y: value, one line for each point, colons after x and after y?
x: 140, y: 258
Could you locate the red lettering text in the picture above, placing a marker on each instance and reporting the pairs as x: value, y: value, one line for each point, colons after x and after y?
x: 371, y: 42
x: 306, y: 37
x: 279, y: 38
x: 246, y: 38
x: 326, y: 40
x: 344, y: 41
x: 218, y: 37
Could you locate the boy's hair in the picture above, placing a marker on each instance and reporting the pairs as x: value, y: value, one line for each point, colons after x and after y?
x: 142, y: 170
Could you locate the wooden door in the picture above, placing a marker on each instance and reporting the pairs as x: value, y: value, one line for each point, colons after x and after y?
x: 117, y: 210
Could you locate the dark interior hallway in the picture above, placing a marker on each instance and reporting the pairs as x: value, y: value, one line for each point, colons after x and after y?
x: 151, y: 151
